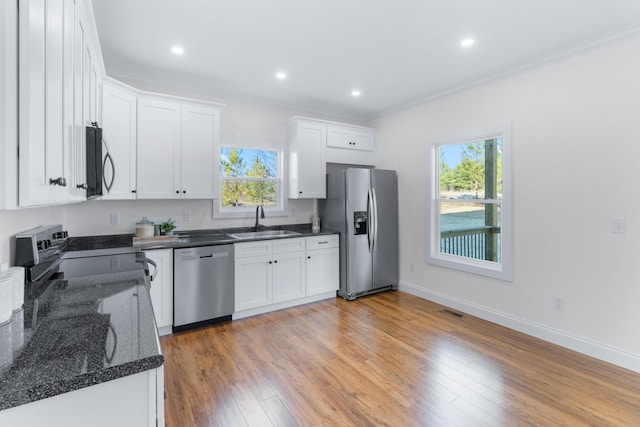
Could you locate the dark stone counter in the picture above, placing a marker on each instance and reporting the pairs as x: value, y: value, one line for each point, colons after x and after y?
x: 78, y: 331
x: 188, y: 239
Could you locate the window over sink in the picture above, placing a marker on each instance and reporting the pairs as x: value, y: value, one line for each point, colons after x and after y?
x: 249, y: 175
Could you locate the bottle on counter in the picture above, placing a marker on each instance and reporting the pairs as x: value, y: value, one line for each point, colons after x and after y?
x: 315, y: 223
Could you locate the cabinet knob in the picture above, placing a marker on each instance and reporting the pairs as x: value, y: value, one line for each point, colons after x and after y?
x: 300, y: 192
x: 133, y: 191
x: 82, y: 186
x: 184, y: 191
x: 177, y: 191
x: 308, y: 257
x: 270, y: 262
x: 62, y: 182
x: 276, y: 261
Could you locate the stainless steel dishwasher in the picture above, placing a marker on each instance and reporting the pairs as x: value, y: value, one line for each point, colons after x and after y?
x: 203, y: 285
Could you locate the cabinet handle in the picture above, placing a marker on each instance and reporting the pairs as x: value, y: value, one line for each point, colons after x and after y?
x: 62, y: 182
x: 323, y: 243
x: 133, y: 191
x: 82, y: 186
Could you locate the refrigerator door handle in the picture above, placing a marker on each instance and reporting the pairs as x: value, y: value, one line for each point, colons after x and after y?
x: 375, y: 218
x: 370, y: 214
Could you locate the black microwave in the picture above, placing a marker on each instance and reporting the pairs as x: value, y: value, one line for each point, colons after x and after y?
x: 96, y: 164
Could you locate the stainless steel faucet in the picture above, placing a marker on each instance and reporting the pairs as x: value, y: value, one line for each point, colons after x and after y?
x: 261, y: 209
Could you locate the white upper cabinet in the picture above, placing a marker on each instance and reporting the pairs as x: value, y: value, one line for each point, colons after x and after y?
x: 200, y: 130
x: 350, y: 145
x: 59, y: 78
x: 119, y: 115
x: 35, y: 171
x: 158, y: 149
x: 8, y: 105
x: 307, y: 164
x: 314, y: 143
x: 175, y: 149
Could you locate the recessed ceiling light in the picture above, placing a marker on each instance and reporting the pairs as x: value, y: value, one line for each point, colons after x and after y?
x: 467, y: 42
x: 281, y: 76
x: 355, y: 92
x: 177, y: 50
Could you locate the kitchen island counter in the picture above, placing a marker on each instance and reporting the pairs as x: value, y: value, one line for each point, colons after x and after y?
x: 79, y: 331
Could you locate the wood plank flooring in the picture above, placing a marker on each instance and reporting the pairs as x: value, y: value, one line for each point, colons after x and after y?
x: 391, y: 359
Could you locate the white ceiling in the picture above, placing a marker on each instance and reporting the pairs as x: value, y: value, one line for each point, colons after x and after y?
x: 396, y: 52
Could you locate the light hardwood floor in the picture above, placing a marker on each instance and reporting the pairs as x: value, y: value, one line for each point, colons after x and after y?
x: 391, y: 359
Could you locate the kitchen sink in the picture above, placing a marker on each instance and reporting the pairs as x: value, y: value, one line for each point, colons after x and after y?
x: 262, y: 234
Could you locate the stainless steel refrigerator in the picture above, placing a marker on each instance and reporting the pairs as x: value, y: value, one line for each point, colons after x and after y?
x: 362, y: 204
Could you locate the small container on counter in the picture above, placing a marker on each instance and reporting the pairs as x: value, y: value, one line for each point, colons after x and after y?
x: 315, y: 224
x: 144, y: 228
x: 6, y: 284
x: 17, y: 287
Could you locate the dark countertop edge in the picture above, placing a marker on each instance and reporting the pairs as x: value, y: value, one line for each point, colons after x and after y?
x: 104, y: 242
x: 304, y: 230
x: 55, y: 388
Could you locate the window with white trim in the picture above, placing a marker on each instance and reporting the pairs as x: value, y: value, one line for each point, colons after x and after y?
x: 469, y: 214
x: 249, y: 176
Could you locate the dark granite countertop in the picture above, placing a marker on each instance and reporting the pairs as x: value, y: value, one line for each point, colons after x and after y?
x: 78, y: 330
x: 187, y: 239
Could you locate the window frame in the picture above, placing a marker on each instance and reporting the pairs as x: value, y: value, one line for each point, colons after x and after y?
x: 281, y: 208
x: 502, y: 270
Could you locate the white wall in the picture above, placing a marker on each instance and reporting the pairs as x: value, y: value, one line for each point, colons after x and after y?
x: 238, y: 120
x: 576, y: 149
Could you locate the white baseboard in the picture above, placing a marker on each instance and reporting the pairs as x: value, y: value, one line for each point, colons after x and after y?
x: 582, y: 345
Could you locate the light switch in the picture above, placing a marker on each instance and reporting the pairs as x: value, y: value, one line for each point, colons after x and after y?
x: 618, y: 225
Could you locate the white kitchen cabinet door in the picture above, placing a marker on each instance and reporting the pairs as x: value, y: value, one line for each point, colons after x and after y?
x: 158, y: 174
x: 253, y: 282
x: 350, y: 145
x: 79, y: 152
x: 162, y: 288
x: 288, y: 276
x: 200, y: 128
x: 119, y: 112
x: 322, y: 271
x: 34, y: 187
x: 8, y: 105
x: 307, y: 164
x: 76, y: 179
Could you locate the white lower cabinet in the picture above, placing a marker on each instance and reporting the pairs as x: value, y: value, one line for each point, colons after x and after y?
x: 274, y: 274
x: 254, y: 281
x: 323, y: 264
x: 135, y: 400
x: 162, y: 288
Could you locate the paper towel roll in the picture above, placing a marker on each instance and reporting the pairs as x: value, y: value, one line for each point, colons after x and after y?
x: 17, y: 290
x: 6, y: 286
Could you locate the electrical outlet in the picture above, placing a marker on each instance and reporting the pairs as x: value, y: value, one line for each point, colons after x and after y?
x: 618, y: 225
x: 186, y: 216
x: 411, y: 266
x: 114, y: 219
x: 558, y: 303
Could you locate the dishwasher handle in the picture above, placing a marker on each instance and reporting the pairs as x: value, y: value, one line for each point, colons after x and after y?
x: 190, y: 255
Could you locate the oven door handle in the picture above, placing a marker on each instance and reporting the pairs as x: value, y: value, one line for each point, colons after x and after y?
x: 155, y: 268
